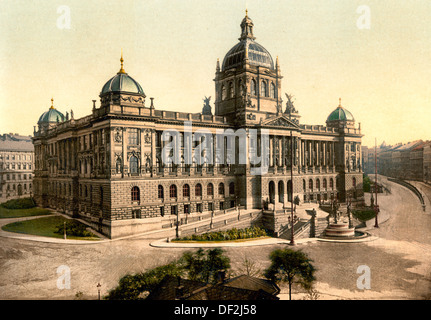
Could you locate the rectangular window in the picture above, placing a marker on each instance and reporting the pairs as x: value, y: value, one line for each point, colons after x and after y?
x: 199, y: 207
x: 210, y: 206
x: 133, y: 137
x: 186, y: 208
x: 221, y: 205
x: 174, y: 210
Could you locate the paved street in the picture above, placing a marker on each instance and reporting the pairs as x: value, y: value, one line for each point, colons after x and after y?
x: 399, y: 260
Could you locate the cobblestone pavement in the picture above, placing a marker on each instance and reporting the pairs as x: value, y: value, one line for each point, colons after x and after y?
x: 399, y: 260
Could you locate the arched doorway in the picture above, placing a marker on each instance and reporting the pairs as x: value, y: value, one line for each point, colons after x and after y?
x: 281, y: 191
x: 271, y: 192
x: 289, y: 190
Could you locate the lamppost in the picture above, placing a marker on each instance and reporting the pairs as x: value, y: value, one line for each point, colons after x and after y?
x: 98, y: 289
x: 177, y: 225
x: 292, y: 240
x: 376, y: 206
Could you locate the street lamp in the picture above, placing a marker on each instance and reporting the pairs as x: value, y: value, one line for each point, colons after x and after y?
x: 98, y: 289
x: 376, y: 207
x: 292, y: 240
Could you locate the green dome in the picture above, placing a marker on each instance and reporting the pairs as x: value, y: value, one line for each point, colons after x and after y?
x: 340, y: 114
x: 52, y: 115
x: 122, y: 82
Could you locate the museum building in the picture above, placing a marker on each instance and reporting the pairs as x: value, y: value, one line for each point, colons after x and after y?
x: 108, y: 167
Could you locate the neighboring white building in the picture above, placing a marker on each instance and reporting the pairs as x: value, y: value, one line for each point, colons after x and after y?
x: 16, y: 166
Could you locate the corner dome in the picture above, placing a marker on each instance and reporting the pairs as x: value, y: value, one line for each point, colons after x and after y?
x: 52, y: 115
x: 340, y: 114
x: 247, y: 48
x: 122, y: 82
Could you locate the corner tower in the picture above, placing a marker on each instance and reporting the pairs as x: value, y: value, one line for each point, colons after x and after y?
x: 248, y: 84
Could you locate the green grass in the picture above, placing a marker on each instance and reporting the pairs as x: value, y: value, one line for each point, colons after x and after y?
x: 45, y: 226
x: 18, y: 213
x: 364, y: 215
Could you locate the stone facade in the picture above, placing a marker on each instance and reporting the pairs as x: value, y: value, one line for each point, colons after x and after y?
x: 109, y: 167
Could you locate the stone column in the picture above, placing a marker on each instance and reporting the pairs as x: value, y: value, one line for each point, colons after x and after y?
x: 124, y: 152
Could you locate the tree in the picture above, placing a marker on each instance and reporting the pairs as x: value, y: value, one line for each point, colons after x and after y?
x: 130, y: 287
x: 250, y: 268
x: 205, y: 266
x: 290, y: 266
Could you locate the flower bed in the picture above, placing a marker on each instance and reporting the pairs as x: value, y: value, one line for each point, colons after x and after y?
x: 227, y: 235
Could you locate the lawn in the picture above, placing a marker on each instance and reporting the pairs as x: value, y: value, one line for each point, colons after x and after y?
x: 45, y: 226
x: 17, y: 213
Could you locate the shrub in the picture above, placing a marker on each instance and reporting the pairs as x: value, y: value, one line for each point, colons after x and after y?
x: 364, y: 214
x: 23, y: 203
x: 74, y: 228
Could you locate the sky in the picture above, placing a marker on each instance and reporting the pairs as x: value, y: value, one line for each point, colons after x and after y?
x: 374, y: 55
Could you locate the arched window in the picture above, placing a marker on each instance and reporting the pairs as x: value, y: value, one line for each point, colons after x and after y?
x: 263, y: 89
x: 173, y: 191
x: 272, y: 89
x: 331, y: 183
x: 231, y: 90
x: 310, y: 184
x: 354, y: 182
x: 210, y: 189
x: 231, y: 188
x: 160, y: 194
x: 240, y: 88
x: 198, y: 190
x: 221, y: 189
x: 186, y: 191
x: 324, y: 184
x: 133, y: 165
x: 318, y: 184
x: 253, y: 87
x: 135, y: 194
x: 223, y: 92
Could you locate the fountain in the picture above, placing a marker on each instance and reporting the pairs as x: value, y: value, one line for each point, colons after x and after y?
x: 341, y: 227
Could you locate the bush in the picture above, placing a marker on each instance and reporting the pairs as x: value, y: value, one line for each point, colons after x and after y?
x: 24, y: 203
x: 366, y: 183
x: 74, y: 228
x: 364, y: 214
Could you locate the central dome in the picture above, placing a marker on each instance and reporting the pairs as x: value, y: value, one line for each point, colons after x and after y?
x: 122, y: 82
x: 247, y: 48
x: 257, y: 55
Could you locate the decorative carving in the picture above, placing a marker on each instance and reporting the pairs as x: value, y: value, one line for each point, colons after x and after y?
x: 251, y: 116
x: 147, y: 136
x: 118, y: 136
x: 136, y: 154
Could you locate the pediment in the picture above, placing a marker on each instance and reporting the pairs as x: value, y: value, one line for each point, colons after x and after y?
x: 280, y: 121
